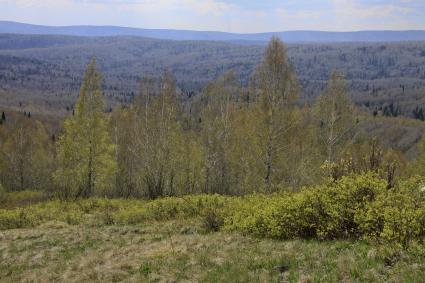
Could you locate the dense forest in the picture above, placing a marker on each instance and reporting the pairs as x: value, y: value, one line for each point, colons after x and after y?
x: 229, y: 139
x: 42, y: 74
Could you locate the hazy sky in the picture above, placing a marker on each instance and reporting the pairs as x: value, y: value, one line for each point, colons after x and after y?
x: 223, y: 15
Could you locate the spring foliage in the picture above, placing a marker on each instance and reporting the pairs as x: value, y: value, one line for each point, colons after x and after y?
x: 354, y: 207
x: 86, y: 163
x: 229, y: 139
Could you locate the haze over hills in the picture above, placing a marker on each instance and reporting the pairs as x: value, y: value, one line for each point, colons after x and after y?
x: 44, y: 72
x: 287, y: 36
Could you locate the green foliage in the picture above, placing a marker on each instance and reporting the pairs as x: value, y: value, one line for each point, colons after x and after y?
x: 147, y: 268
x: 85, y: 152
x: 26, y: 157
x: 160, y: 139
x: 278, y: 89
x: 18, y: 218
x: 100, y: 211
x: 397, y: 215
x: 354, y: 207
x: 231, y: 141
x: 22, y: 198
x: 334, y: 118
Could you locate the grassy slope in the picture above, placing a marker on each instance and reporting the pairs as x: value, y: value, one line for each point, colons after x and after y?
x: 179, y: 251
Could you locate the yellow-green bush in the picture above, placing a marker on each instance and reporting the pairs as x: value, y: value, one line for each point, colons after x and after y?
x: 397, y: 215
x: 21, y: 198
x: 18, y: 218
x: 357, y: 207
x: 324, y: 212
x: 340, y: 202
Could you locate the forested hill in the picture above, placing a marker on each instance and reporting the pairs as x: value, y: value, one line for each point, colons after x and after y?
x: 287, y: 36
x: 44, y: 72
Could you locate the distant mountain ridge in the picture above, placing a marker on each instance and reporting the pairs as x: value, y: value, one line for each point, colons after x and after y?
x: 287, y: 36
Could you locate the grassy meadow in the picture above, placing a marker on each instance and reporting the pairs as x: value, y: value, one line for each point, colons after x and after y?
x: 182, y: 251
x: 356, y: 232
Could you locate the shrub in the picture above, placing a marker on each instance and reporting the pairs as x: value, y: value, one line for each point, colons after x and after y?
x: 397, y: 215
x: 212, y: 221
x: 325, y: 212
x: 356, y: 207
x: 342, y: 201
x: 18, y: 218
x: 20, y: 199
x: 132, y: 216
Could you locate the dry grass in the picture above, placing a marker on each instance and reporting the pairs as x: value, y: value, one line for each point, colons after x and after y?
x: 179, y: 251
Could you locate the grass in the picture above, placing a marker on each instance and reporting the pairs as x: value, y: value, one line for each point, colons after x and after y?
x: 208, y: 238
x: 181, y: 251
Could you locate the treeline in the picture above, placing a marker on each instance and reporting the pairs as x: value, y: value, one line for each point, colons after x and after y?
x: 229, y: 140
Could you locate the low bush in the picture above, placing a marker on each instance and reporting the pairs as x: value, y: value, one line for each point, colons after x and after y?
x: 212, y: 221
x: 354, y: 207
x: 20, y: 199
x: 18, y: 218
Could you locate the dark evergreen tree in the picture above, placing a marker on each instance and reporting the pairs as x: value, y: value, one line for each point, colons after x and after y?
x: 418, y: 113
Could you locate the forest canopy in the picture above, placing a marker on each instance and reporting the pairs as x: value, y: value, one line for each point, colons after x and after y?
x: 229, y: 139
x: 43, y: 73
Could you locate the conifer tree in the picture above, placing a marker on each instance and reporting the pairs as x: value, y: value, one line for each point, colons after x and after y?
x: 85, y: 150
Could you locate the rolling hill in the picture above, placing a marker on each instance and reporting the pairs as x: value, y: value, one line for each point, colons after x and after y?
x: 43, y: 72
x: 287, y: 36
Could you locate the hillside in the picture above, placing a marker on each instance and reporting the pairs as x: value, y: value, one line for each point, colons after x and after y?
x: 149, y: 252
x: 287, y: 36
x: 170, y: 240
x: 212, y: 141
x: 43, y: 72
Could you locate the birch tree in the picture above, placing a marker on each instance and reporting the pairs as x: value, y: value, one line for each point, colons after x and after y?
x: 278, y: 89
x: 335, y: 119
x: 217, y: 127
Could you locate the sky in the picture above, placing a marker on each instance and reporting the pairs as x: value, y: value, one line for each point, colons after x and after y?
x: 239, y: 16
